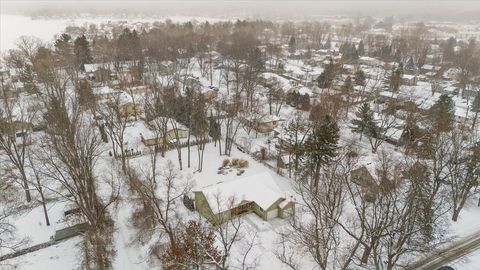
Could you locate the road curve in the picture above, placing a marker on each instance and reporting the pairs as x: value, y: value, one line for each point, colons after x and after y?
x: 448, y: 254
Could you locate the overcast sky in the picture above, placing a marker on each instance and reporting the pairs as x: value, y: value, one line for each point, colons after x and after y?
x: 280, y: 9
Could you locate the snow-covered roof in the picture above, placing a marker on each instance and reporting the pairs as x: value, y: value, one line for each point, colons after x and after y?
x: 388, y: 94
x: 430, y: 67
x: 394, y: 133
x: 371, y: 60
x: 260, y: 188
x: 305, y: 90
x: 408, y: 76
x: 104, y: 90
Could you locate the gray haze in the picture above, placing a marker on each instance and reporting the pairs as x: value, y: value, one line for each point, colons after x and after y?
x: 298, y: 10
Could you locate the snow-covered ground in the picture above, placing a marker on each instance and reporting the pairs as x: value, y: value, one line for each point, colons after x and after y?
x: 64, y: 255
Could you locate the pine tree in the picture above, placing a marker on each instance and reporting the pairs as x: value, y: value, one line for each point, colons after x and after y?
x: 449, y: 50
x: 443, y: 113
x: 353, y: 53
x: 348, y: 85
x: 63, y: 48
x: 292, y: 44
x: 326, y: 77
x: 398, y: 56
x: 320, y: 147
x: 361, y: 48
x: 27, y: 77
x: 364, y: 122
x: 328, y: 43
x: 294, y: 137
x: 396, y: 78
x: 81, y: 49
x: 360, y: 77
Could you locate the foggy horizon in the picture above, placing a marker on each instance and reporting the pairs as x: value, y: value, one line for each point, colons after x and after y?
x: 268, y: 9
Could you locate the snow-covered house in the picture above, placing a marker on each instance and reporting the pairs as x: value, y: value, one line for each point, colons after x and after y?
x: 370, y: 61
x: 169, y: 131
x: 408, y: 79
x: 262, y: 124
x: 452, y: 74
x: 430, y: 69
x: 258, y: 193
x: 99, y: 72
x: 104, y: 92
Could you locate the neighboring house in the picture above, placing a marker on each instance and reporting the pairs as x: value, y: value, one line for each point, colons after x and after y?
x: 410, y: 80
x: 263, y: 124
x: 171, y: 129
x: 213, y: 57
x: 127, y: 105
x: 104, y: 92
x: 387, y: 96
x: 430, y: 69
x: 19, y: 130
x: 130, y: 75
x: 129, y: 109
x: 99, y: 72
x: 370, y: 61
x: 349, y: 69
x: 394, y: 136
x: 258, y: 193
x: 453, y: 74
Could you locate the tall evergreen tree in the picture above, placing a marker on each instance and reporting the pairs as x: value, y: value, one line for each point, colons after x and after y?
x: 328, y: 43
x: 361, y: 48
x: 292, y: 44
x: 348, y: 85
x: 364, y: 122
x: 320, y: 147
x: 63, y: 48
x: 442, y: 113
x: 81, y: 49
x: 326, y: 77
x: 449, y: 50
x: 396, y: 78
x: 360, y: 77
x: 295, y: 136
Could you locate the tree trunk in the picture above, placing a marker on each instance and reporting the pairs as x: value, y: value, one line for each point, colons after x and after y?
x: 475, y: 120
x: 44, y: 205
x: 365, y: 255
x: 25, y: 185
x: 188, y: 149
x: 456, y: 212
